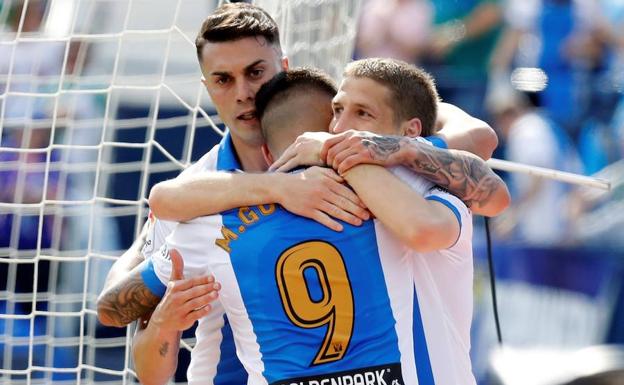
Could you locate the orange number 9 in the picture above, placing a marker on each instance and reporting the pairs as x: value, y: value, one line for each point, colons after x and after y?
x: 334, y: 309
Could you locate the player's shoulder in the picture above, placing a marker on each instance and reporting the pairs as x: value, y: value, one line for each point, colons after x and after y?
x: 208, y: 162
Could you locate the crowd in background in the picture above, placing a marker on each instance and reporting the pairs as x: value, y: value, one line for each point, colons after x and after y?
x: 548, y: 75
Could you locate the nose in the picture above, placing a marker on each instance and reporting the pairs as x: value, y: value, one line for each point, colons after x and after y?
x: 340, y: 124
x: 244, y: 92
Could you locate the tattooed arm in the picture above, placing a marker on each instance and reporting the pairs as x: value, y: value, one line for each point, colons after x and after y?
x: 155, y: 352
x: 157, y: 340
x: 184, y: 301
x: 462, y: 173
x: 124, y: 298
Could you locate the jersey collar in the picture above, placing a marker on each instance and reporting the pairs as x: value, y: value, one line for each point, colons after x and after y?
x: 227, y: 159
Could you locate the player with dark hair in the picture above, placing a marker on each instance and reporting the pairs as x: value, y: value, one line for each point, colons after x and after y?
x: 233, y: 71
x: 284, y: 278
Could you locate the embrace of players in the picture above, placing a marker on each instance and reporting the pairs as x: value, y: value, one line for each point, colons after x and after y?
x: 349, y: 262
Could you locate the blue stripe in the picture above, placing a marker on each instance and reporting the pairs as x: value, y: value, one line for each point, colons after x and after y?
x: 421, y: 353
x: 437, y: 141
x: 151, y: 280
x: 449, y: 205
x: 230, y: 371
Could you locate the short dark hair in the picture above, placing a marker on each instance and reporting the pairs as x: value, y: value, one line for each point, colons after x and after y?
x: 278, y: 102
x: 413, y: 92
x: 236, y: 21
x: 282, y: 85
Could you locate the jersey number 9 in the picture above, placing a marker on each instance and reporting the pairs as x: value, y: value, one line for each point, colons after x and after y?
x: 334, y: 308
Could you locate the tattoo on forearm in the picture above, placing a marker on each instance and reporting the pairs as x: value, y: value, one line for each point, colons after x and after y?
x: 127, y: 302
x: 463, y: 175
x: 381, y: 147
x: 164, y: 348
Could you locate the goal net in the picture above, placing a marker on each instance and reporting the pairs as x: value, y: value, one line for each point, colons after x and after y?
x: 99, y: 100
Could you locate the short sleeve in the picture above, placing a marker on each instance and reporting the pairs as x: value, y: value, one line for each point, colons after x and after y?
x: 194, y: 240
x: 437, y: 141
x: 457, y: 207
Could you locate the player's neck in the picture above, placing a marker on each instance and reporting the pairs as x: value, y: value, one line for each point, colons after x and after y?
x: 250, y: 156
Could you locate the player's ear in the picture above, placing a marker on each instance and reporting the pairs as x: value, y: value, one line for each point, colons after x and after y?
x: 268, y: 158
x: 285, y: 63
x: 411, y: 128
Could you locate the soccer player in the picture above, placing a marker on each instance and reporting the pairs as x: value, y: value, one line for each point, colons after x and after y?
x: 307, y: 303
x: 443, y: 278
x: 238, y: 49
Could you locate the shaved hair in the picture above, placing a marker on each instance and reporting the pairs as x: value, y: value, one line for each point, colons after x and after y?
x: 294, y: 102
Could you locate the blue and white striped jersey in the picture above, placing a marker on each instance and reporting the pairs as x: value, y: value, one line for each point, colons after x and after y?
x: 213, y: 359
x: 306, y: 304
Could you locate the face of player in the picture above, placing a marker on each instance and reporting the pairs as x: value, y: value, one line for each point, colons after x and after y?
x: 363, y: 104
x: 233, y: 72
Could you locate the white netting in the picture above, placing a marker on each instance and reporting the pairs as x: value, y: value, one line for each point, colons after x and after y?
x: 100, y: 99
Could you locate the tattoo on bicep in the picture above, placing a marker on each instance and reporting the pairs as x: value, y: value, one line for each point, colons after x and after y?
x: 467, y: 177
x: 382, y: 147
x: 164, y: 348
x: 128, y: 302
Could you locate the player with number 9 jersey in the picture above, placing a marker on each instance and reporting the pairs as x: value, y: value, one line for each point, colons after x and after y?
x: 309, y: 305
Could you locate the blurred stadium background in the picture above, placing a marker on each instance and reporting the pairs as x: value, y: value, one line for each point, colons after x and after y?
x: 100, y: 99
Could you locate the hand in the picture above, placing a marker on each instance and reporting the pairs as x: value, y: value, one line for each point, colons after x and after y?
x: 304, y: 151
x: 352, y: 147
x: 186, y: 300
x: 319, y: 194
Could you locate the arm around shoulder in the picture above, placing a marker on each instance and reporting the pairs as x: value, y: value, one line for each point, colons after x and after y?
x: 420, y: 224
x: 461, y: 131
x: 207, y: 193
x: 462, y: 173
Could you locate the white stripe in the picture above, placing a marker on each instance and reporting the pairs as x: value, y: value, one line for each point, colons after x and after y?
x: 247, y: 347
x: 397, y: 267
x: 443, y: 281
x: 206, y: 354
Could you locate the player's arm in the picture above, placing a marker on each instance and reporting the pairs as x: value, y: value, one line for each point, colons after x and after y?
x: 139, y: 292
x: 155, y: 352
x: 316, y: 193
x: 423, y: 225
x: 126, y: 300
x: 157, y: 340
x: 456, y: 129
x: 460, y: 131
x: 124, y: 297
x: 463, y: 174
